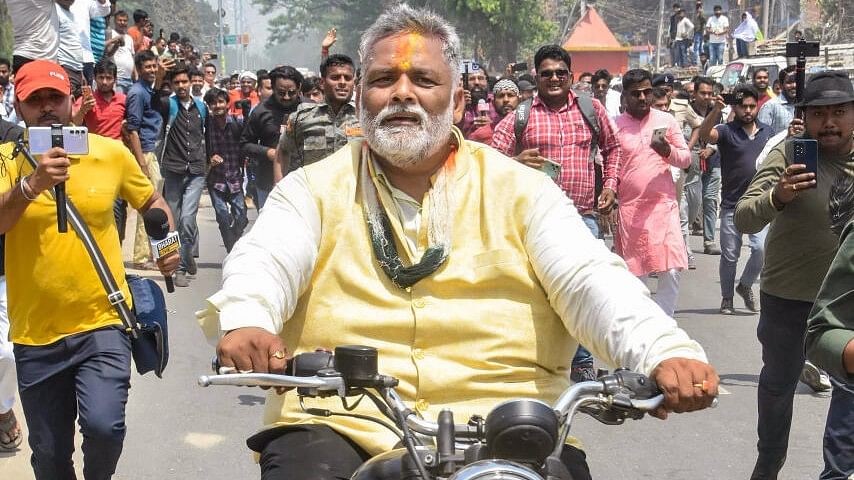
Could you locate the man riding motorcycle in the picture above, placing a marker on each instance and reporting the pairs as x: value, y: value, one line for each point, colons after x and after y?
x: 473, y: 275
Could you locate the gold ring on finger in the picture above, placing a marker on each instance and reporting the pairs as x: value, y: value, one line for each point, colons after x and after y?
x: 278, y: 354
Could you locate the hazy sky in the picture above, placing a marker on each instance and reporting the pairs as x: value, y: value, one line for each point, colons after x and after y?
x: 256, y: 24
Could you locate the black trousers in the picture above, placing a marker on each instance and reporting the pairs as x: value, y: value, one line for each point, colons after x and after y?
x: 316, y: 452
x: 83, y: 377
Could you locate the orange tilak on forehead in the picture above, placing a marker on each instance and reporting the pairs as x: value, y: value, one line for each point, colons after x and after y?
x: 407, y: 46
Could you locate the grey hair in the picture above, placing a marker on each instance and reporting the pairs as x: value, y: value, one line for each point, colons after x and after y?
x: 402, y: 18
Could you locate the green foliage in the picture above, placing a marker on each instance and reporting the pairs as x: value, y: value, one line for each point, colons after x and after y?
x: 491, y: 30
x: 7, y: 40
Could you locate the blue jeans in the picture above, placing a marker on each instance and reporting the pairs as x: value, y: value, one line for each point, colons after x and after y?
x: 583, y: 357
x: 85, y: 377
x: 711, y: 188
x: 716, y: 53
x: 839, y: 433
x: 261, y: 194
x: 183, y: 192
x: 731, y: 240
x: 230, y: 209
x: 681, y: 48
x: 698, y: 47
x: 741, y: 48
x: 689, y: 206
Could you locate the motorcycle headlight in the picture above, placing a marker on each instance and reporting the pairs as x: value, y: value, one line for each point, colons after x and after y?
x: 495, y: 470
x: 523, y: 430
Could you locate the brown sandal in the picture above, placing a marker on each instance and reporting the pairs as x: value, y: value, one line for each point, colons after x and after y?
x: 10, y: 432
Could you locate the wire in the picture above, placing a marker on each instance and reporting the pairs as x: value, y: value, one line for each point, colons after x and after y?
x: 410, y: 447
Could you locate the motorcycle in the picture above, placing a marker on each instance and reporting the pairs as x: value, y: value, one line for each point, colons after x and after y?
x: 520, y: 439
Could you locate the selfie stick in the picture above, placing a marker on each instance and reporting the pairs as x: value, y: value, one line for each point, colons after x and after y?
x: 59, y: 189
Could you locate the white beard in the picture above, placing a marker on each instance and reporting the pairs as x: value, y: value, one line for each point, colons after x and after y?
x: 405, y: 146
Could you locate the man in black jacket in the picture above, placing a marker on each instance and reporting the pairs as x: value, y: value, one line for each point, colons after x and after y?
x: 266, y: 123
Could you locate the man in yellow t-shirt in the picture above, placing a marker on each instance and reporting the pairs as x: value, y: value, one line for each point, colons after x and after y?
x: 71, y: 359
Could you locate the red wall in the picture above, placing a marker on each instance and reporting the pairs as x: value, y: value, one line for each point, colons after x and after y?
x: 588, y: 61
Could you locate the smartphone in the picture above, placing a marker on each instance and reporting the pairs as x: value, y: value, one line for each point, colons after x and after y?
x: 552, y: 169
x: 75, y: 140
x: 659, y: 135
x: 520, y: 67
x: 805, y: 151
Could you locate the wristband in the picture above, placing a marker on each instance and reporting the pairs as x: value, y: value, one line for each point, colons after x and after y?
x: 26, y: 186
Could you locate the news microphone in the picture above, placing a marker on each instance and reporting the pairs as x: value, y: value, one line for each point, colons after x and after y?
x: 163, y: 242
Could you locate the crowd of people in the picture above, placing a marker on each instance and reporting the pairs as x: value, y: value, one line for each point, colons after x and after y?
x: 635, y: 164
x: 704, y: 41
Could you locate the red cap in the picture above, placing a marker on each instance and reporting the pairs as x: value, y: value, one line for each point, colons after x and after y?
x: 40, y: 74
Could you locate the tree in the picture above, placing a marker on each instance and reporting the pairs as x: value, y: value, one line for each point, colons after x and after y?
x: 491, y: 30
x: 6, y: 38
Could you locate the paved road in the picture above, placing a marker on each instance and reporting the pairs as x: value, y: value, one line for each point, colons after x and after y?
x: 177, y: 430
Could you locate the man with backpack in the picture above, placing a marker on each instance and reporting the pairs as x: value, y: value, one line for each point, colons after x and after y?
x: 560, y: 132
x: 183, y: 166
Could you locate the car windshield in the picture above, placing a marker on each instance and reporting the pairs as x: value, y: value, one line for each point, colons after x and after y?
x: 732, y: 75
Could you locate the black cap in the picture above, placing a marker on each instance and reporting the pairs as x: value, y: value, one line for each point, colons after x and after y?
x: 831, y: 87
x: 663, y: 79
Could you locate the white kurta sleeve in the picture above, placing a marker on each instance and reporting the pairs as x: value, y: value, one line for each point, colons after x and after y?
x: 601, y: 303
x: 270, y: 266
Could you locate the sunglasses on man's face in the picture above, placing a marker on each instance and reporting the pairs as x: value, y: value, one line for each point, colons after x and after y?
x: 637, y: 93
x: 562, y: 74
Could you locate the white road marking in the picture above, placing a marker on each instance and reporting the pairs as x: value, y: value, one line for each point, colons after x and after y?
x: 203, y: 440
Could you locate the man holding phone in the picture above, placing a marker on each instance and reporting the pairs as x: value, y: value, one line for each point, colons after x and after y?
x: 739, y: 143
x: 558, y: 131
x: 477, y: 114
x: 649, y: 233
x: 801, y: 247
x: 72, y: 356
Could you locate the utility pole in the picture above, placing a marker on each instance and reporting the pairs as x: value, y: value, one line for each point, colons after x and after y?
x: 765, y: 13
x: 221, y: 14
x: 660, y: 34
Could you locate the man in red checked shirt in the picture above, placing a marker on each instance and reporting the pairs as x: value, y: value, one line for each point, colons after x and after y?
x: 557, y: 132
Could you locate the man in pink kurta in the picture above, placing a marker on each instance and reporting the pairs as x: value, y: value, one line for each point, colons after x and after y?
x: 649, y: 235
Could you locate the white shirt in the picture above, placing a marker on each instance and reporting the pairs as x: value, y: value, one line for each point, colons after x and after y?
x: 36, y: 27
x: 123, y: 57
x: 83, y: 11
x: 685, y: 29
x: 718, y: 27
x: 588, y: 286
x: 769, y: 145
x: 746, y: 30
x: 70, y: 53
